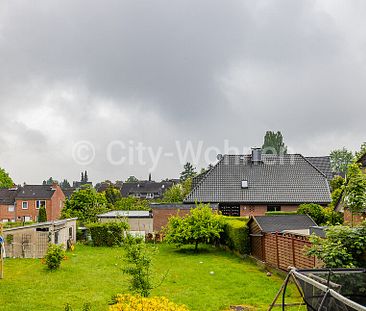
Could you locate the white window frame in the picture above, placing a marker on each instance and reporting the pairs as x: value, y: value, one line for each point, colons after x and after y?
x: 26, y: 204
x: 39, y: 205
x: 11, y: 208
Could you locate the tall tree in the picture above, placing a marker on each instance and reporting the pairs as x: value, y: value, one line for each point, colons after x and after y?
x: 86, y: 178
x: 50, y: 181
x: 273, y: 143
x: 355, y: 189
x: 5, y: 180
x: 188, y: 172
x: 340, y: 159
x: 132, y: 179
x: 65, y: 184
x: 362, y: 151
x: 112, y: 195
x: 42, y: 214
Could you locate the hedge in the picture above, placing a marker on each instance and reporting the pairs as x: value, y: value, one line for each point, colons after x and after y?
x: 279, y: 213
x: 107, y: 234
x: 236, y: 235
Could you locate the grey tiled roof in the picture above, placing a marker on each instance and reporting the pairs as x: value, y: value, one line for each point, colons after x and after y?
x: 323, y: 165
x: 7, y: 196
x: 35, y: 192
x: 279, y: 179
x: 280, y: 223
x: 143, y: 187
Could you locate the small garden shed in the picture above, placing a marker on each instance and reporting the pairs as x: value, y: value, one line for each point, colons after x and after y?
x: 280, y: 240
x: 31, y: 241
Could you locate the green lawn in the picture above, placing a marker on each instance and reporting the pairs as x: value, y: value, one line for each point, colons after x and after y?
x: 94, y: 274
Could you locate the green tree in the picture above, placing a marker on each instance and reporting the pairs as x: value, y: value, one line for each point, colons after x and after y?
x: 315, y: 211
x: 178, y: 192
x: 131, y: 204
x: 337, y: 182
x: 273, y: 143
x: 355, y: 189
x: 5, y: 180
x: 42, y: 214
x: 85, y: 203
x: 112, y: 195
x: 340, y: 159
x: 65, y: 184
x: 131, y: 179
x: 344, y: 247
x: 362, y: 151
x: 188, y: 172
x: 201, y: 225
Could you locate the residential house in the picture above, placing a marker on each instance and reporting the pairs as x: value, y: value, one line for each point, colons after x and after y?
x: 7, y: 204
x: 254, y: 184
x: 146, y: 189
x: 23, y: 203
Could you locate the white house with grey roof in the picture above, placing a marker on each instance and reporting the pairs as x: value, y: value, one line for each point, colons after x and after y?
x: 253, y: 184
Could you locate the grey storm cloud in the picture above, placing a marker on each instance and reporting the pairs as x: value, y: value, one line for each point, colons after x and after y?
x: 160, y: 71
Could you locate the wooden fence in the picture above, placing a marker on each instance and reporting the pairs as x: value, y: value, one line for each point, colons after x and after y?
x: 283, y: 250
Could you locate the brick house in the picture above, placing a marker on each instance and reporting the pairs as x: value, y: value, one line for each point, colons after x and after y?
x: 254, y: 184
x: 27, y: 201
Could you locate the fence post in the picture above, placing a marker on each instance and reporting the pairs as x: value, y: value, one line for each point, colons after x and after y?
x: 293, y: 251
x: 277, y: 252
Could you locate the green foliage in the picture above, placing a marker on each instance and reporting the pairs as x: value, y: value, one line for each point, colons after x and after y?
x: 332, y: 217
x: 188, y: 172
x: 42, y: 214
x: 355, y: 189
x: 236, y: 235
x: 178, y: 192
x: 54, y: 256
x: 131, y: 179
x: 201, y: 225
x: 139, y: 263
x: 344, y: 247
x: 112, y: 195
x: 279, y: 213
x: 340, y: 159
x: 5, y: 180
x: 273, y: 143
x: 108, y: 234
x: 17, y: 224
x: 65, y: 184
x: 131, y: 204
x: 362, y: 151
x: 337, y: 182
x: 50, y: 181
x: 85, y: 204
x: 315, y: 211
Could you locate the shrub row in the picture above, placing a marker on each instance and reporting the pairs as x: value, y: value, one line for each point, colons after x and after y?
x: 280, y: 213
x: 107, y: 234
x: 236, y: 235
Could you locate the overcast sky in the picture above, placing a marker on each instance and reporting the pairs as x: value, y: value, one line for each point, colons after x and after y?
x: 87, y: 85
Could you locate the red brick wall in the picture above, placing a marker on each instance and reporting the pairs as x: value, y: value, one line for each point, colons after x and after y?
x: 260, y: 210
x: 58, y: 200
x: 5, y: 214
x: 161, y: 216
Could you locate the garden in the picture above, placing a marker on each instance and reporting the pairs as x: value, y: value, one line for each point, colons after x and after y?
x: 213, y: 279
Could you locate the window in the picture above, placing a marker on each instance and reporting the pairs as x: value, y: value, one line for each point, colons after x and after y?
x: 149, y: 196
x: 40, y: 203
x: 11, y: 208
x: 273, y: 208
x: 244, y: 184
x: 24, y: 205
x: 70, y: 233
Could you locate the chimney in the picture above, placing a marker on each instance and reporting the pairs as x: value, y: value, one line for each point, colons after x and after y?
x: 256, y: 156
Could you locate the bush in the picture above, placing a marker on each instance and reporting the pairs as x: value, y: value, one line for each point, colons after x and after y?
x: 315, y: 211
x: 344, y: 247
x: 137, y: 303
x: 201, y: 225
x: 279, y: 213
x: 42, y: 214
x: 108, y: 234
x: 54, y: 256
x: 236, y: 235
